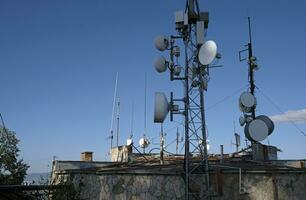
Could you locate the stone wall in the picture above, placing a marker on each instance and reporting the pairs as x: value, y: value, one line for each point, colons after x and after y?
x: 259, y: 186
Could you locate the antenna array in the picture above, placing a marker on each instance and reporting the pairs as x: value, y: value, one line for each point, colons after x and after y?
x: 191, y: 26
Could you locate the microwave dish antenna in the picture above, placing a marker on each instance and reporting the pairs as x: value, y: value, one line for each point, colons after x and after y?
x: 144, y: 142
x: 160, y: 64
x: 247, y: 102
x: 208, y: 52
x: 161, y: 107
x: 161, y: 43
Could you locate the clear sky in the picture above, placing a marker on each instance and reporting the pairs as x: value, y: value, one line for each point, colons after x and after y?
x: 58, y: 62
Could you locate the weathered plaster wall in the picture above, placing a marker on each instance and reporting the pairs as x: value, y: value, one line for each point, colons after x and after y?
x: 262, y: 186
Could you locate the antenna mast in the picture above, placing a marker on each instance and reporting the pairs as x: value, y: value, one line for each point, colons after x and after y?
x: 118, y: 118
x: 132, y: 122
x: 191, y: 26
x: 251, y: 67
x: 145, y: 112
x: 113, y: 112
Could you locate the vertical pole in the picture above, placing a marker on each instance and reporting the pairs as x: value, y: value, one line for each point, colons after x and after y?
x: 145, y: 112
x: 177, y: 141
x: 113, y: 112
x: 161, y: 144
x: 221, y: 153
x: 186, y: 112
x: 251, y: 70
x: 252, y: 84
x: 204, y: 142
x: 236, y: 142
x: 118, y: 113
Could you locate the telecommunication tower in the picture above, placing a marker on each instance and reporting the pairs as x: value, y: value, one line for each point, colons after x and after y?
x: 191, y: 26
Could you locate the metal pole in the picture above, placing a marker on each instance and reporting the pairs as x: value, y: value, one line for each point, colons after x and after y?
x: 177, y: 141
x: 161, y: 144
x: 186, y: 112
x: 221, y: 153
x: 204, y: 142
x: 118, y: 113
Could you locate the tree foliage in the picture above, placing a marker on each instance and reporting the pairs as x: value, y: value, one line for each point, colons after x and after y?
x: 12, y: 169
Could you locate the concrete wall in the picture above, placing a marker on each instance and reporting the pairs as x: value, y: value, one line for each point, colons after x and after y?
x: 259, y: 186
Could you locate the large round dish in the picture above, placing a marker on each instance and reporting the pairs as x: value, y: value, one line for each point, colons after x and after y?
x: 268, y: 122
x: 207, y: 52
x: 257, y: 130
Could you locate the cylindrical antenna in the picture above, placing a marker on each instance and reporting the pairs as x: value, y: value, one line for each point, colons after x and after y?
x: 145, y: 110
x: 118, y: 118
x: 145, y: 105
x: 177, y: 140
x: 113, y: 112
x: 132, y: 121
x: 250, y: 32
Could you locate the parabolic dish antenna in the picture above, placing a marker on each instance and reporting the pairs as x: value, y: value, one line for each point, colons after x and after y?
x: 161, y: 107
x: 257, y: 130
x: 246, y: 102
x: 129, y: 142
x: 268, y: 122
x: 144, y: 142
x: 208, y: 52
x: 160, y: 64
x: 161, y: 43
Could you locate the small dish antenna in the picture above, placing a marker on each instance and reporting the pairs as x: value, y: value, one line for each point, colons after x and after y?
x: 160, y: 64
x: 161, y: 107
x: 200, y: 142
x: 129, y: 142
x: 161, y: 43
x: 246, y: 102
x: 208, y: 52
x: 144, y: 142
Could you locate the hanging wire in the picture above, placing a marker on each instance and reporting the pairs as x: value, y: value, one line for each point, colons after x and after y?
x: 226, y: 98
x: 281, y: 111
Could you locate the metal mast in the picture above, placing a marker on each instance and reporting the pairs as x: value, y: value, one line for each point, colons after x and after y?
x: 191, y: 26
x: 195, y: 126
x: 118, y: 122
x: 250, y: 76
x: 113, y: 112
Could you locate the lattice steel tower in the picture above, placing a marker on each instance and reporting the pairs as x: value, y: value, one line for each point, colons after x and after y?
x: 191, y: 26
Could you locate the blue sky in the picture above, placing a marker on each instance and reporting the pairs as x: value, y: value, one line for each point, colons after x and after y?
x: 58, y: 62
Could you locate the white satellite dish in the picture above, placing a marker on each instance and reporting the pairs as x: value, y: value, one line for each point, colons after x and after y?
x: 208, y: 52
x: 129, y: 142
x: 268, y: 122
x: 161, y: 43
x: 144, y: 142
x: 246, y: 102
x: 160, y: 64
x: 161, y: 107
x: 242, y: 120
x: 257, y: 130
x: 207, y: 144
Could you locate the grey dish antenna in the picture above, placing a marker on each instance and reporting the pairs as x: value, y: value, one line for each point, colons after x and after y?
x: 160, y: 64
x: 161, y: 107
x: 207, y: 52
x: 247, y: 102
x: 161, y: 42
x: 259, y: 128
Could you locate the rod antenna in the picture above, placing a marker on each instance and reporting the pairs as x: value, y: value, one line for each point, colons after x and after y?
x: 113, y: 112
